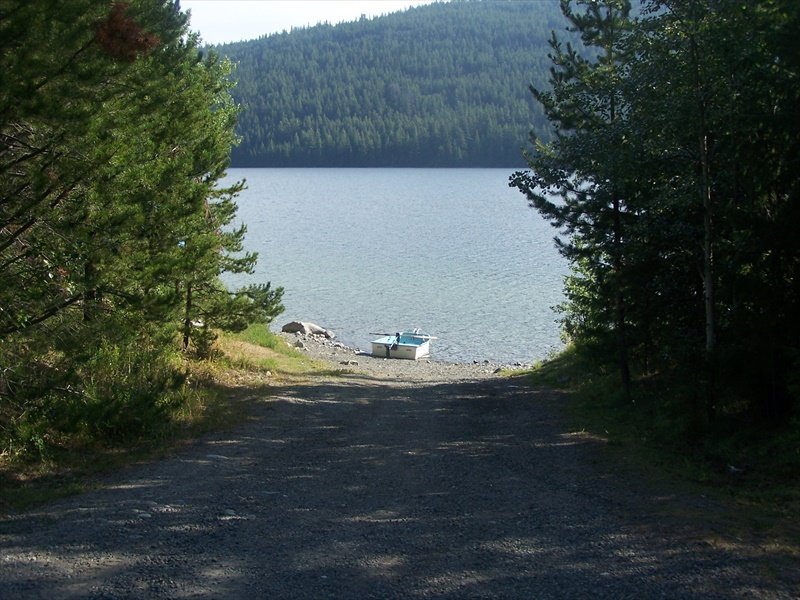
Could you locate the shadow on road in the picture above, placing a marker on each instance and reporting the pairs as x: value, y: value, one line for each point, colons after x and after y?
x: 356, y: 488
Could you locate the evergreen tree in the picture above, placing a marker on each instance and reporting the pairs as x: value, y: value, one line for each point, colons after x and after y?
x: 727, y: 86
x: 576, y: 181
x: 659, y: 183
x: 116, y: 130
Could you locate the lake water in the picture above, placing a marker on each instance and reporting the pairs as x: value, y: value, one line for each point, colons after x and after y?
x: 455, y: 252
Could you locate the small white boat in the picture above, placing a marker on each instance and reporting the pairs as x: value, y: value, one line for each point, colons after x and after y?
x: 409, y: 345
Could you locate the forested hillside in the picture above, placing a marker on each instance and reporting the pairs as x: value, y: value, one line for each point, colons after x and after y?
x: 437, y: 85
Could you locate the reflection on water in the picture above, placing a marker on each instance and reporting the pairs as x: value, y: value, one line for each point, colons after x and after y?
x: 454, y: 252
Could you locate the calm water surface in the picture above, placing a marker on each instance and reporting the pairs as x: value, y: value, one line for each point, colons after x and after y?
x: 454, y: 252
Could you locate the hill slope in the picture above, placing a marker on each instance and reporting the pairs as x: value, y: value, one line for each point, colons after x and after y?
x: 437, y: 85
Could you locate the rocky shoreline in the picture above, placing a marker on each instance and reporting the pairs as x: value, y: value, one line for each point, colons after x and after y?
x: 341, y: 356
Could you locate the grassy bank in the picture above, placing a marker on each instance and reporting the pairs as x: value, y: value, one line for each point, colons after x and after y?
x: 209, y: 399
x: 737, y: 455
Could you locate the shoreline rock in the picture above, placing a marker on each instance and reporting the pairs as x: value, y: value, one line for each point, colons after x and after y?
x: 307, y: 328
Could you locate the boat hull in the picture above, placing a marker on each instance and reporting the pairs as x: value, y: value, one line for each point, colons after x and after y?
x: 409, y: 349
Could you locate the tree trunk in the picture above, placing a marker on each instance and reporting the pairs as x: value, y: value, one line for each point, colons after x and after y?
x: 187, y: 320
x: 708, y: 280
x: 778, y: 398
x: 710, y: 354
x: 619, y: 304
x: 619, y: 298
x: 90, y: 295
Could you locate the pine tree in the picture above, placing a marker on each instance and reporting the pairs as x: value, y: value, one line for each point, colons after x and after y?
x: 585, y: 168
x: 113, y: 232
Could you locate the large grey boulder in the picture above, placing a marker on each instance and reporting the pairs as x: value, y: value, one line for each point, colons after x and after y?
x: 307, y: 329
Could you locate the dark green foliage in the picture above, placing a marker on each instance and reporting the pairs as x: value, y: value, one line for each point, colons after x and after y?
x: 735, y: 452
x: 674, y: 182
x: 437, y: 85
x: 115, y: 130
x: 576, y: 183
x: 128, y: 392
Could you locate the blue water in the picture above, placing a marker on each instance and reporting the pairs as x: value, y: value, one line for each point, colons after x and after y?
x: 454, y: 252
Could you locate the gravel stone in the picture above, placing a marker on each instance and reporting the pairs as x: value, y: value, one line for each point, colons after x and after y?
x: 396, y: 479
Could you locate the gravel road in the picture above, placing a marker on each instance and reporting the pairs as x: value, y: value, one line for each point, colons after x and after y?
x: 398, y: 480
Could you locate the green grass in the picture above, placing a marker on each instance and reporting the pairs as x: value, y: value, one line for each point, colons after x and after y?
x: 260, y: 335
x: 70, y: 464
x: 209, y: 400
x: 258, y: 350
x: 653, y: 439
x: 655, y: 430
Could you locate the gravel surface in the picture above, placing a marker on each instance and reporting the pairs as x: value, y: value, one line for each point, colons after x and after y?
x: 398, y: 480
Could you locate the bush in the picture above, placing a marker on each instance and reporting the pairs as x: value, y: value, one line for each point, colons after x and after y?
x: 129, y: 393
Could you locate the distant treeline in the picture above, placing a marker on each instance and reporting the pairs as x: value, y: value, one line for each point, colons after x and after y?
x: 438, y: 85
